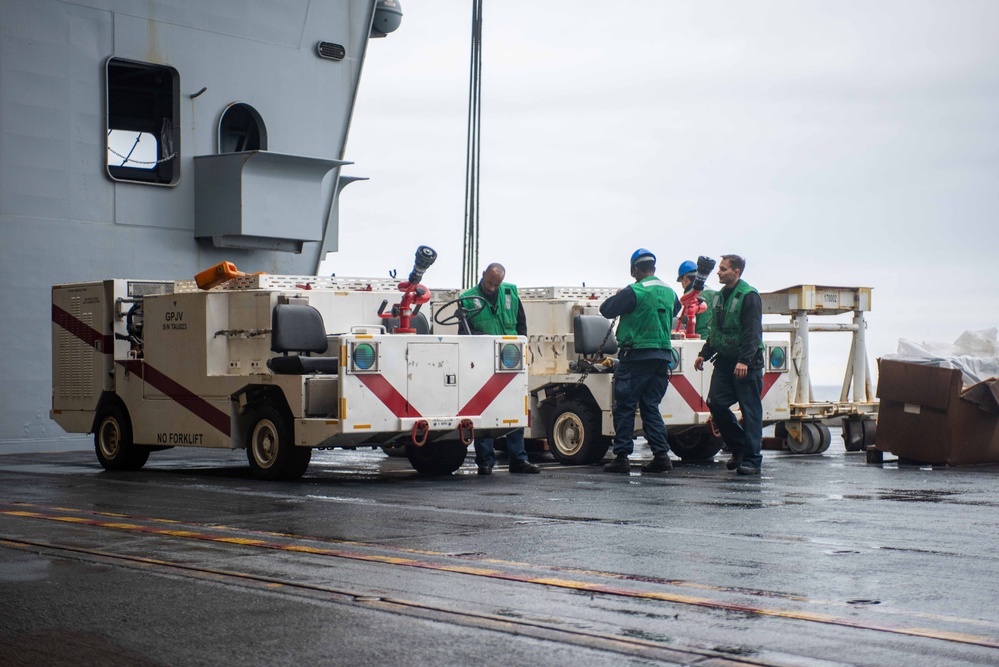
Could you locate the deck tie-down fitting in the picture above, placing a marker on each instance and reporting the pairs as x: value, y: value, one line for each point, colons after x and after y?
x: 420, y: 431
x: 466, y: 431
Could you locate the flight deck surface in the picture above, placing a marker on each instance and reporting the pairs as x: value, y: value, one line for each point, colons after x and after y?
x: 824, y: 560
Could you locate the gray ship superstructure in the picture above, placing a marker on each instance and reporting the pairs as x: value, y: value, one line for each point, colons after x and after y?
x: 158, y: 138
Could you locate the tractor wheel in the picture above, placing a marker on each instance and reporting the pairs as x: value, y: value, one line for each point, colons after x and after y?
x: 395, y: 451
x: 441, y: 457
x: 574, y: 436
x: 270, y: 446
x: 113, y: 440
x: 696, y: 444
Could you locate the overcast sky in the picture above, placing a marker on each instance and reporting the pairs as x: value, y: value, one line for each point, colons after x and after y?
x: 830, y: 143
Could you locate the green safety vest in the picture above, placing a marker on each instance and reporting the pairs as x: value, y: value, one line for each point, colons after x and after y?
x: 703, y: 325
x: 649, y: 325
x: 498, y: 320
x: 726, y: 330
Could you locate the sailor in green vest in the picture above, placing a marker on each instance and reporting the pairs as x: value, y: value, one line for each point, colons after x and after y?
x: 646, y: 308
x: 735, y: 348
x: 502, y: 315
x: 685, y: 276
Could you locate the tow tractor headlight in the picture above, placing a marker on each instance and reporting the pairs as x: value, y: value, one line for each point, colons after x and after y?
x: 363, y: 357
x: 676, y: 360
x: 509, y: 357
x: 776, y: 357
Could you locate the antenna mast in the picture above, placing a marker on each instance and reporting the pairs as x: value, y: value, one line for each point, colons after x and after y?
x: 470, y: 253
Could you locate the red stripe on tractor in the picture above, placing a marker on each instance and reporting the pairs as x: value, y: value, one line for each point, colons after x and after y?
x: 769, y: 380
x: 84, y: 332
x: 694, y: 400
x: 186, y: 399
x: 490, y: 390
x: 388, y: 395
x: 688, y: 393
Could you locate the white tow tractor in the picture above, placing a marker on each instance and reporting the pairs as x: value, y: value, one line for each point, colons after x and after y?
x: 572, y: 390
x: 278, y: 365
x: 571, y: 348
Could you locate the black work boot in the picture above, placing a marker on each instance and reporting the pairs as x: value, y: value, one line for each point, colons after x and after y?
x: 659, y: 463
x: 524, y: 467
x: 734, y: 462
x: 619, y: 464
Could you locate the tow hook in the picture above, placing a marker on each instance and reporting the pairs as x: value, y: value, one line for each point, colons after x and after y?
x: 420, y: 430
x: 466, y: 431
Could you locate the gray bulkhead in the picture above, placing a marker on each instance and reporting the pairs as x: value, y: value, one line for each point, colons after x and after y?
x: 63, y: 218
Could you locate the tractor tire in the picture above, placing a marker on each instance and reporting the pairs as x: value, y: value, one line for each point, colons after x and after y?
x: 270, y: 445
x: 574, y: 436
x: 697, y: 444
x: 441, y: 457
x: 113, y: 439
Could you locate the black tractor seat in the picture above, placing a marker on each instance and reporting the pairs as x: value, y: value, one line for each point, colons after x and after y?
x: 299, y: 329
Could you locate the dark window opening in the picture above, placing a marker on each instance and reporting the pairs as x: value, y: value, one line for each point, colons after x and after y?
x: 241, y: 129
x: 143, y: 141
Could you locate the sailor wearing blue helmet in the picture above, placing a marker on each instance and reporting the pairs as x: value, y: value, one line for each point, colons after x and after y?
x: 685, y: 276
x: 646, y: 309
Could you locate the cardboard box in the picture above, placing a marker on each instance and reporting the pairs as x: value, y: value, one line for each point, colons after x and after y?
x: 926, y: 416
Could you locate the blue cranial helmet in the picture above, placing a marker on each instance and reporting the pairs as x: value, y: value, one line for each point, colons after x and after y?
x: 642, y: 255
x: 685, y: 268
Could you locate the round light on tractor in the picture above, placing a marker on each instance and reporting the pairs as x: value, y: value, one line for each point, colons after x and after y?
x: 674, y: 359
x: 510, y: 356
x: 777, y: 357
x: 363, y: 356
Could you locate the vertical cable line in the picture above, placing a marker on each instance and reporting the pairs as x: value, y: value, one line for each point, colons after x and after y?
x: 470, y: 251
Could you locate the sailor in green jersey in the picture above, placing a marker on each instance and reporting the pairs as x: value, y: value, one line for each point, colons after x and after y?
x: 735, y: 347
x: 646, y: 308
x: 503, y: 315
x: 685, y: 276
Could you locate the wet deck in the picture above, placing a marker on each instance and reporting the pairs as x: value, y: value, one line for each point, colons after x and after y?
x: 825, y: 560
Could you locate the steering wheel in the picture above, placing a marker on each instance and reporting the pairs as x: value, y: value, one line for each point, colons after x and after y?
x: 461, y: 313
x: 134, y: 321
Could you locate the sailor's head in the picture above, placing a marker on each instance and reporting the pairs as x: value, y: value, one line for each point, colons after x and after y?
x: 492, y: 278
x: 643, y: 263
x: 730, y: 270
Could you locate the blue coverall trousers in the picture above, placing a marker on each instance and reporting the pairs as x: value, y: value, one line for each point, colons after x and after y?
x: 640, y: 384
x: 744, y: 440
x: 485, y: 452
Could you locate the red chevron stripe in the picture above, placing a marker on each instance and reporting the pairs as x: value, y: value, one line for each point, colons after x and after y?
x: 402, y: 408
x: 84, y: 332
x: 769, y: 380
x: 697, y: 404
x: 201, y: 408
x: 490, y: 390
x: 188, y: 399
x: 388, y: 395
x: 688, y: 393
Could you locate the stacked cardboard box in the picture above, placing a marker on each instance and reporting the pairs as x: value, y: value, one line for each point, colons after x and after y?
x: 926, y: 415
